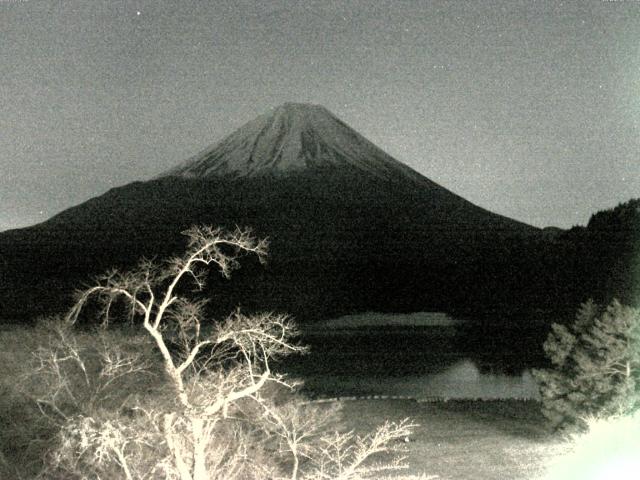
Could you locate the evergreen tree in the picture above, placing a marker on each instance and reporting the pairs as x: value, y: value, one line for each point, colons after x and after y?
x: 595, y: 365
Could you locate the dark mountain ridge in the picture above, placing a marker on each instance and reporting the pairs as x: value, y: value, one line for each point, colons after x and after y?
x: 338, y: 243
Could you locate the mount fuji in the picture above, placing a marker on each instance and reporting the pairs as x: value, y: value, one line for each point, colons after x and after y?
x: 351, y: 229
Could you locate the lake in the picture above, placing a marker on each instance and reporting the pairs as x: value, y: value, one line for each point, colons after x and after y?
x: 424, y: 355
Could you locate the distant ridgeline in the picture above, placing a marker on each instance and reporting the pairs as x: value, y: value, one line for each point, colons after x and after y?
x: 602, y: 260
x: 351, y: 230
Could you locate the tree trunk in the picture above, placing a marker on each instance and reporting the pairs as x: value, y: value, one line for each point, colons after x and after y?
x: 199, y: 450
x: 181, y: 466
x: 296, y: 464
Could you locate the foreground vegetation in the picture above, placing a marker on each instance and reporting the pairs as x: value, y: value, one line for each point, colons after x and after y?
x: 177, y: 397
x: 455, y: 440
x: 595, y: 368
x: 167, y: 395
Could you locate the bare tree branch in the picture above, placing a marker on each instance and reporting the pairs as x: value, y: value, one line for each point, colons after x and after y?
x: 220, y: 412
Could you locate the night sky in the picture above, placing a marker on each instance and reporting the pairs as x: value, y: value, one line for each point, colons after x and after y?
x: 529, y: 108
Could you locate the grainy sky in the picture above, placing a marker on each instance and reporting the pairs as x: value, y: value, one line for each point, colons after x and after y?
x: 528, y: 108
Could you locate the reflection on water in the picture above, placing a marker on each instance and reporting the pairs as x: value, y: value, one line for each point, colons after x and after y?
x: 422, y: 355
x: 462, y: 380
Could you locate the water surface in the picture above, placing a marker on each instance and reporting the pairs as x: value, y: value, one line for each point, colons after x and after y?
x: 420, y: 356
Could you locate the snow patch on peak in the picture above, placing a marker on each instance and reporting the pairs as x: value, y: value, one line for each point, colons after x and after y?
x: 292, y: 137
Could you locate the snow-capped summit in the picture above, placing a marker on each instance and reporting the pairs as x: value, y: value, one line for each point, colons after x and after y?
x: 289, y: 138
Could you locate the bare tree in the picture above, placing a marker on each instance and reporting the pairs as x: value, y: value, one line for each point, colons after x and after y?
x: 74, y: 373
x: 344, y: 456
x: 223, y: 419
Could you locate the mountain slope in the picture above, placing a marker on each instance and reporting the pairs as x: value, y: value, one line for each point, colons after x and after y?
x: 308, y: 139
x: 351, y: 229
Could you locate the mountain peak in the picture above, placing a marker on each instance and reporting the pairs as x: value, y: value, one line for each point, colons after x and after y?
x: 292, y: 137
x: 296, y: 107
